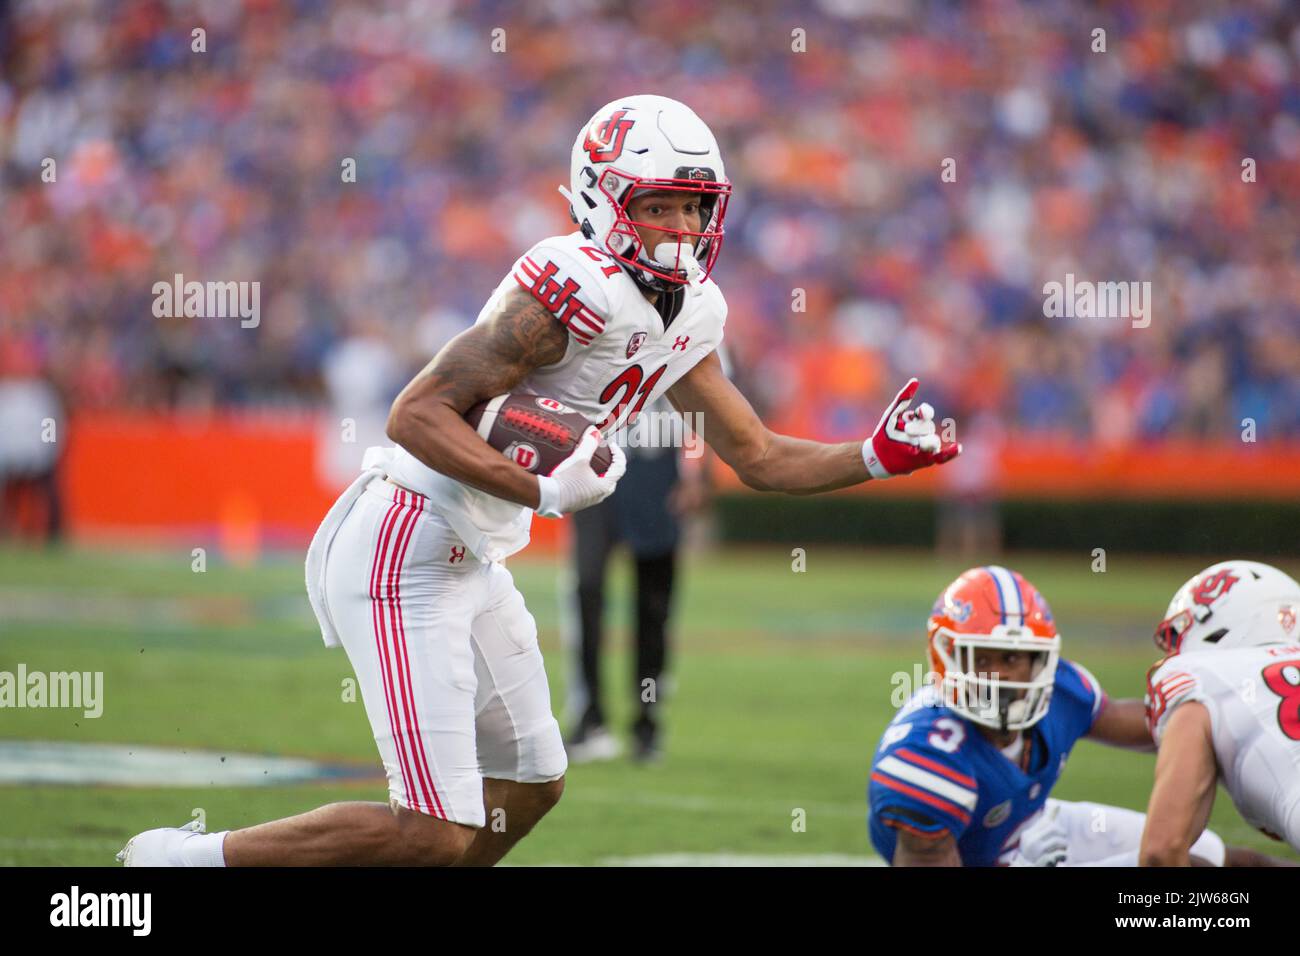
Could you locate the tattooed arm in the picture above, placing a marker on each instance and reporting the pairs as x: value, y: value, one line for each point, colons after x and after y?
x: 486, y: 360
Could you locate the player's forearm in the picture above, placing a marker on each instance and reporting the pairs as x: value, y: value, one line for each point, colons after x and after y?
x: 1183, y: 793
x: 1176, y: 816
x: 797, y: 466
x: 438, y: 436
x: 1164, y: 854
x: 1123, y: 724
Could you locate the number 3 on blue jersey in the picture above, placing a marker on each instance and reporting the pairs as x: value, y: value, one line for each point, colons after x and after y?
x: 947, y: 735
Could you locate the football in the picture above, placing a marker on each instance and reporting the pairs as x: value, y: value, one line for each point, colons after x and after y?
x: 533, y: 431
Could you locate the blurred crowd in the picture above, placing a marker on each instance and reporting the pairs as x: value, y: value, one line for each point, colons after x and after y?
x: 849, y: 264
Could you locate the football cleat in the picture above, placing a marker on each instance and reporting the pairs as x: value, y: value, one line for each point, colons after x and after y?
x: 647, y: 748
x: 593, y: 744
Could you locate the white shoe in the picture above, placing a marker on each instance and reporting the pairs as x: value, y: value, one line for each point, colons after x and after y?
x: 160, y: 847
x: 596, y: 744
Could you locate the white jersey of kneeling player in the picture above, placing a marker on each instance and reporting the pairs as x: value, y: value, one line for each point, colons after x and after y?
x: 620, y: 359
x: 1253, y: 698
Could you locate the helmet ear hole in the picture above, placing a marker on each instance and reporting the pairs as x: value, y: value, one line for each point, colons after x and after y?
x: 1217, y: 636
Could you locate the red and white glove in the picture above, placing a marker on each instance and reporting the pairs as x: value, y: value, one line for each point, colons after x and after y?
x: 573, y: 485
x: 906, y: 440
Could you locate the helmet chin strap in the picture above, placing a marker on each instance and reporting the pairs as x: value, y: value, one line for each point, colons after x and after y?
x: 573, y: 208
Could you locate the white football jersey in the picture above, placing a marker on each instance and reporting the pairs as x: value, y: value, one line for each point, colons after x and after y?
x: 619, y: 360
x: 1253, y: 698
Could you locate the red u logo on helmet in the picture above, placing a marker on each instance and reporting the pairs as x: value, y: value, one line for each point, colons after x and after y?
x: 606, y: 145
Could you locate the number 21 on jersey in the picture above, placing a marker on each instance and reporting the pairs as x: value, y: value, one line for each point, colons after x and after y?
x: 625, y: 386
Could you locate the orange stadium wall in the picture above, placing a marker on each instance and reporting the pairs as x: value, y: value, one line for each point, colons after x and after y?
x: 237, y: 481
x: 245, y: 482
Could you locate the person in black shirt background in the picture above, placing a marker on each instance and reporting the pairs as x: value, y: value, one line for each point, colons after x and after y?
x: 644, y: 513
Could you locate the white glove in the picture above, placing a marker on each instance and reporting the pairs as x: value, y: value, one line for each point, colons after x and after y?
x: 1044, y: 842
x: 573, y: 485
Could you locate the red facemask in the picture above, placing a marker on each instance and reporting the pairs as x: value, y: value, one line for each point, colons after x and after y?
x: 690, y: 246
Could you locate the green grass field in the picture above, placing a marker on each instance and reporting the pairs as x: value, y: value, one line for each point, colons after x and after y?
x: 782, y: 686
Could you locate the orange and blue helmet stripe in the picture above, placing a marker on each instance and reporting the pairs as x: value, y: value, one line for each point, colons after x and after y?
x: 1011, y: 602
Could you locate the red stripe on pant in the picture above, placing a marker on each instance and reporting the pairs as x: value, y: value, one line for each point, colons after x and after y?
x: 403, y: 658
x: 381, y: 551
x: 381, y: 643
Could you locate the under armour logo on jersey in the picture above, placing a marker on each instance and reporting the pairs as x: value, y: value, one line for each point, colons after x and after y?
x: 680, y: 342
x: 457, y: 554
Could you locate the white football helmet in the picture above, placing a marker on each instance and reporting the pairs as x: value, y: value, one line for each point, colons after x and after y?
x: 1231, y: 604
x: 641, y: 144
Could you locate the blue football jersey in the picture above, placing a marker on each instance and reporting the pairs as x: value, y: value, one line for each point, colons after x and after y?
x: 935, y: 771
